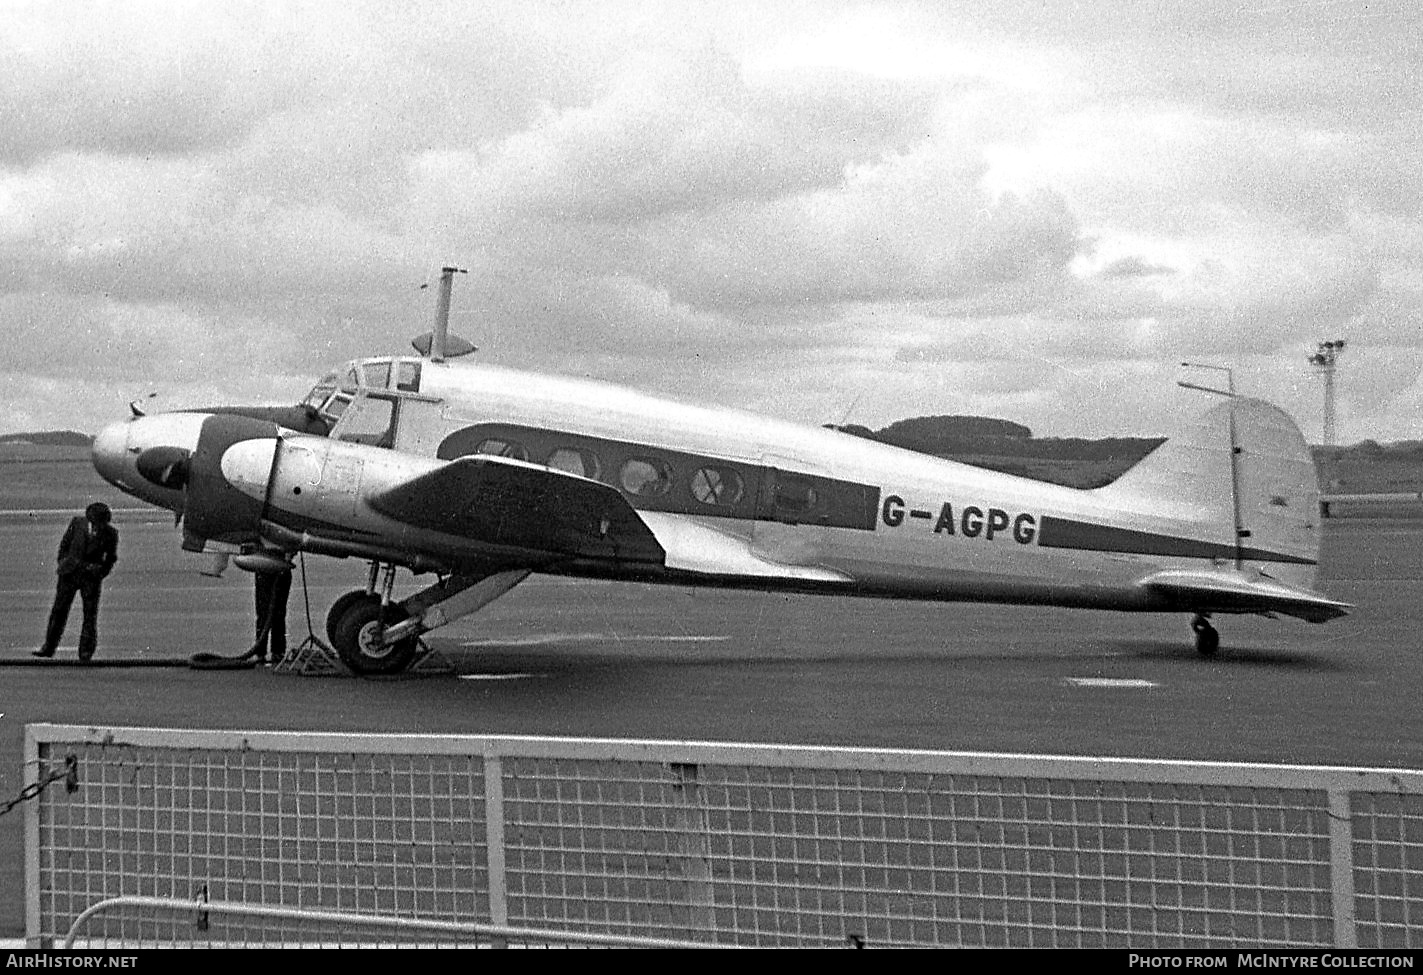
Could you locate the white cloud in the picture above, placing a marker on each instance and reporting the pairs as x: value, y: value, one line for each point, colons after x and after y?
x: 957, y: 207
x: 140, y: 78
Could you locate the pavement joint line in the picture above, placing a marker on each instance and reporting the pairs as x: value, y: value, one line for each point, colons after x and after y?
x: 518, y: 676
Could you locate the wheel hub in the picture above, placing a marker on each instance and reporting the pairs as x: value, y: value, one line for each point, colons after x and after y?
x: 370, y: 642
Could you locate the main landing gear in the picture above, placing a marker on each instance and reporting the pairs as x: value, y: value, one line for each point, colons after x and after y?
x: 356, y: 625
x: 1207, y: 636
x: 373, y: 634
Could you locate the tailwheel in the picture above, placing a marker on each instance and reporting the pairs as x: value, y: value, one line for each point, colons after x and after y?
x: 356, y: 634
x: 1207, y: 637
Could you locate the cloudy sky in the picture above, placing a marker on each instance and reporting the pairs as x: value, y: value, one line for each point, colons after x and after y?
x: 823, y: 211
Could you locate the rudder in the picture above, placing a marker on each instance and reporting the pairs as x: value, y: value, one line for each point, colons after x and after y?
x: 1189, y: 477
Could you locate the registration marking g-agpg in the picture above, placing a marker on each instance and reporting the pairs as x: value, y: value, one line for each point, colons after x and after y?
x: 970, y: 521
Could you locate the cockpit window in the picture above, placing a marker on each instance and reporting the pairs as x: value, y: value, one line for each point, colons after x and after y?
x: 376, y: 374
x: 370, y: 420
x: 407, y: 379
x: 317, y: 397
x: 352, y: 380
x: 336, y: 406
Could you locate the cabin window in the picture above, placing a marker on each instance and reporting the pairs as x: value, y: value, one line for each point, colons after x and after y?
x: 376, y: 374
x: 716, y: 486
x: 371, y: 420
x: 407, y: 378
x: 646, y: 477
x: 584, y: 463
x: 501, y: 447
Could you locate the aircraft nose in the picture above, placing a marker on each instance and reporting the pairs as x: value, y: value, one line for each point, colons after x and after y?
x: 110, y: 454
x: 147, y: 456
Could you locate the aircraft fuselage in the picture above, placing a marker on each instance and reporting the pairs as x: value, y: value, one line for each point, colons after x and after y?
x: 479, y: 472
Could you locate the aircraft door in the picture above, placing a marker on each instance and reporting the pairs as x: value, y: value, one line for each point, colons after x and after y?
x: 789, y: 508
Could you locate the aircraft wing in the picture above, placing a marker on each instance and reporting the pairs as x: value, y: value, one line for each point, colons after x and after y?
x: 1229, y: 591
x: 510, y: 503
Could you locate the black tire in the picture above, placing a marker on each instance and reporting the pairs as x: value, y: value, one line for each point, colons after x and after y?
x: 352, y: 638
x: 340, y: 606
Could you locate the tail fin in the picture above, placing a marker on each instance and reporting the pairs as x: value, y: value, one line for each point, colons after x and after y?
x: 1269, y: 496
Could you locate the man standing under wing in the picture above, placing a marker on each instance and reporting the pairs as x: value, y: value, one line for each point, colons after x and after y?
x: 87, y: 553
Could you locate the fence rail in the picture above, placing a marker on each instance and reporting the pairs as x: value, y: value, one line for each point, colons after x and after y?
x: 198, y: 914
x: 717, y: 843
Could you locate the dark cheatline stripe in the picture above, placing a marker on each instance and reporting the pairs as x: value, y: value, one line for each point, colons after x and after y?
x: 1065, y: 533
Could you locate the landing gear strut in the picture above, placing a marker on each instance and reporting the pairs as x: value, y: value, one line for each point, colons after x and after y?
x: 1207, y: 637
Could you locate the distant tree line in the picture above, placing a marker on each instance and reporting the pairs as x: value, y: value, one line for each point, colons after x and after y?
x: 50, y: 438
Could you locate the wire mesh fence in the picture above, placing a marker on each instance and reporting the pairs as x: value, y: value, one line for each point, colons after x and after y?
x: 708, y: 843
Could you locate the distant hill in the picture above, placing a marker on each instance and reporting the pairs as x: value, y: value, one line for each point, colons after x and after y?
x: 937, y: 434
x: 1002, y: 445
x: 49, y: 438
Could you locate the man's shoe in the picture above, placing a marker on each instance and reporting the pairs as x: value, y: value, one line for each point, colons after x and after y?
x: 41, y: 653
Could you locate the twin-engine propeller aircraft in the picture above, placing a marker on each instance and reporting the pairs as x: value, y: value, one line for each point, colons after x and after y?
x: 484, y: 475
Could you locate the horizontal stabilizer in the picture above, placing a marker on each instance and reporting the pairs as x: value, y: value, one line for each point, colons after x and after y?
x: 498, y: 501
x: 1229, y: 591
x: 694, y: 547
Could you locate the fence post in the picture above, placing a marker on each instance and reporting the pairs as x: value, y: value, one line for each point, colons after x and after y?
x: 31, y: 776
x: 494, y: 843
x: 691, y: 822
x: 1341, y: 868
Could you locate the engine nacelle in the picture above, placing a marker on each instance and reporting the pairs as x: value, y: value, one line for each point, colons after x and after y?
x: 216, y: 509
x: 310, y: 494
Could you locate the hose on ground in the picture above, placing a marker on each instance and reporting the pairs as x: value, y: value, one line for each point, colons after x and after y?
x: 251, y: 657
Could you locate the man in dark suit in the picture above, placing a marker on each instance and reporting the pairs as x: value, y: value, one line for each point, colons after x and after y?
x: 87, y: 554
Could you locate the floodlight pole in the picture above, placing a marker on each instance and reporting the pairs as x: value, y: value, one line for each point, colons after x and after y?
x: 1325, y: 357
